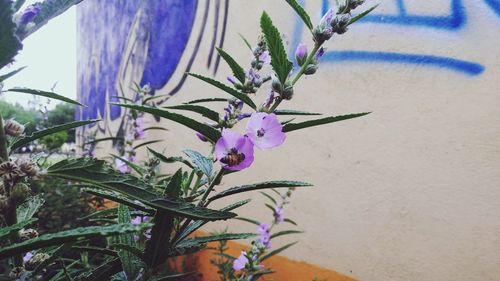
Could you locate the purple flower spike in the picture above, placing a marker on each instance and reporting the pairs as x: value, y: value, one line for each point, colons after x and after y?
x: 234, y: 151
x: 265, y: 130
x: 240, y: 262
x: 265, y: 237
x: 327, y: 18
x: 279, y: 215
x: 139, y: 129
x: 301, y: 53
x: 29, y: 14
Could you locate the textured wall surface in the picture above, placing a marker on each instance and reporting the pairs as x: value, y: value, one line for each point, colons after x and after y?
x: 409, y: 192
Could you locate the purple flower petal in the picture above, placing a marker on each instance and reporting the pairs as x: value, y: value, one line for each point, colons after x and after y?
x: 265, y: 130
x: 240, y: 262
x: 29, y: 14
x: 27, y: 257
x: 234, y: 151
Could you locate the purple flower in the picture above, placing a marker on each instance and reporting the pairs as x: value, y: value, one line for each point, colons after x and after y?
x: 269, y: 100
x: 327, y: 18
x: 279, y: 214
x: 234, y: 151
x: 301, y: 53
x: 253, y: 76
x: 122, y: 166
x: 265, y: 237
x: 265, y: 130
x: 29, y: 13
x: 240, y: 262
x: 27, y: 257
x: 265, y: 58
x: 139, y: 128
x: 136, y: 221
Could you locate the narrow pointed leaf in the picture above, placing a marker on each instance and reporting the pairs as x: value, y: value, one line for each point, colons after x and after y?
x: 134, y: 166
x: 166, y: 159
x: 27, y: 209
x: 44, y: 94
x: 244, y: 98
x: 10, y: 74
x: 301, y: 12
x: 246, y: 42
x: 187, y: 244
x: 206, y: 112
x: 247, y: 220
x: 118, y: 198
x: 362, y: 15
x: 67, y: 236
x: 209, y: 132
x: 39, y: 134
x: 207, y: 100
x: 146, y: 143
x: 293, y: 112
x: 130, y: 263
x: 285, y: 232
x: 269, y: 197
x: 311, y: 123
x: 256, y: 186
x: 275, y: 252
x: 238, y: 71
x: 279, y: 59
x: 291, y: 222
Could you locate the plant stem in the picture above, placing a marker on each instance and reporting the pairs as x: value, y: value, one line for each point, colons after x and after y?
x: 216, y: 179
x: 3, y: 141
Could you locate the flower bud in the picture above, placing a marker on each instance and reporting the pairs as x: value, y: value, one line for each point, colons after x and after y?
x: 310, y: 69
x: 30, y: 13
x: 323, y: 31
x: 35, y: 261
x: 13, y: 128
x: 20, y: 192
x: 27, y: 167
x: 10, y: 171
x: 201, y: 137
x: 26, y: 234
x: 301, y: 54
x: 276, y: 85
x: 287, y: 92
x: 17, y: 272
x: 340, y: 23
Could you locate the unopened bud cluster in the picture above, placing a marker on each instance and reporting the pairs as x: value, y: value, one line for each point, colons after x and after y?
x: 15, y: 170
x: 338, y: 23
x: 260, y: 53
x: 13, y: 128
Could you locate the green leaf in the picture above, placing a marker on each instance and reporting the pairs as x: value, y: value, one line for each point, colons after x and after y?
x: 302, y: 13
x: 269, y: 197
x: 103, y: 272
x: 130, y: 263
x: 155, y: 128
x: 118, y: 198
x: 39, y: 134
x: 362, y: 15
x: 28, y: 208
x: 247, y: 220
x: 202, y: 163
x: 98, y: 173
x: 130, y: 164
x: 293, y: 112
x: 244, y: 98
x: 285, y: 232
x: 10, y: 44
x: 291, y: 222
x: 275, y: 252
x: 238, y: 71
x: 256, y: 186
x: 53, y: 255
x: 206, y: 112
x: 200, y: 242
x: 207, y: 100
x: 146, y: 143
x: 279, y: 59
x: 10, y: 74
x: 67, y: 236
x: 165, y: 159
x: 5, y: 231
x: 104, y: 139
x: 50, y: 10
x: 297, y: 126
x: 209, y: 132
x: 174, y: 186
x: 246, y: 42
x: 44, y: 94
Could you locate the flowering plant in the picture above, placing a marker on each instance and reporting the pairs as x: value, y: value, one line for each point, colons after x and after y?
x: 156, y: 214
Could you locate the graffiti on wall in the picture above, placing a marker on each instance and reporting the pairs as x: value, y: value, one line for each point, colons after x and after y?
x: 450, y: 20
x: 122, y: 43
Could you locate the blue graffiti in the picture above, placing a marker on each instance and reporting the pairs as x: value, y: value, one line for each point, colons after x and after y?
x: 494, y: 5
x: 455, y: 19
x: 468, y: 68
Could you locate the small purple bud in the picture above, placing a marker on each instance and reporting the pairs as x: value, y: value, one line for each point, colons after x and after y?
x: 319, y: 54
x: 239, y: 105
x: 301, y: 53
x: 243, y: 116
x: 231, y: 80
x: 201, y: 137
x: 30, y: 13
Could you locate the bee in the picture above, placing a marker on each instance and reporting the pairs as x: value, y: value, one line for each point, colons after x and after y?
x: 233, y: 158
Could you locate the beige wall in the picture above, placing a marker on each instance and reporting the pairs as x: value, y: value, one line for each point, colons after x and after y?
x: 409, y: 192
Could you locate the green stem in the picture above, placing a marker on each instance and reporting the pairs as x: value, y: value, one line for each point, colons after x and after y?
x: 306, y: 63
x: 217, y: 179
x: 3, y: 141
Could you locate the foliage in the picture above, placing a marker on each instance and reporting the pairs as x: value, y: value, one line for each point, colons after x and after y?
x: 15, y: 111
x: 154, y: 216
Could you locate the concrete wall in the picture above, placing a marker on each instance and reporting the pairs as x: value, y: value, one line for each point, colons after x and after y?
x: 409, y: 192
